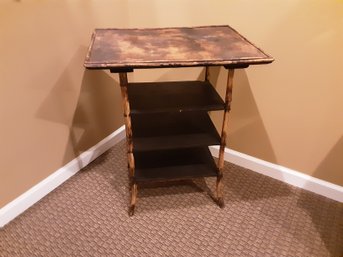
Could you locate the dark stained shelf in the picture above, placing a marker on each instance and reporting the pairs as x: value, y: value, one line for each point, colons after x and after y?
x: 158, y: 131
x: 173, y: 96
x: 174, y: 164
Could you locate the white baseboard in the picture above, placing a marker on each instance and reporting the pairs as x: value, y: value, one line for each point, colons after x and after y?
x: 295, y: 178
x: 37, y: 192
x: 283, y: 174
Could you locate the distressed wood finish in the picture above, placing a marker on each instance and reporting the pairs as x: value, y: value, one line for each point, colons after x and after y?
x: 171, y: 47
x: 128, y: 129
x: 228, y: 99
x: 169, y: 144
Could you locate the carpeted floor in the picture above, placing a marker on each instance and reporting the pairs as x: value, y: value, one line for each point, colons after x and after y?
x: 87, y: 216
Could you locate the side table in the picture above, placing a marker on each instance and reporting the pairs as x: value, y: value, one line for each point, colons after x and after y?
x: 168, y: 129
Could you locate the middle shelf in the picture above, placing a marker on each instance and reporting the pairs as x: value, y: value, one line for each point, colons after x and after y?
x: 156, y: 131
x: 174, y: 96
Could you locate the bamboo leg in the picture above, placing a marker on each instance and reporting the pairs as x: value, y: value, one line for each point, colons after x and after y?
x: 133, y: 199
x: 207, y: 73
x: 128, y: 129
x: 228, y: 98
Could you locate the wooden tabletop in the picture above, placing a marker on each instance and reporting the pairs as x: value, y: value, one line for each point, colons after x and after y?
x: 171, y: 47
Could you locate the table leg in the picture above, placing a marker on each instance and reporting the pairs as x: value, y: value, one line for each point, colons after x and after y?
x: 228, y: 99
x: 207, y: 73
x: 128, y: 129
x: 133, y: 199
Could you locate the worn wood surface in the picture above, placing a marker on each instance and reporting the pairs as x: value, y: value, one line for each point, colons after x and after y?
x: 123, y: 50
x: 175, y: 47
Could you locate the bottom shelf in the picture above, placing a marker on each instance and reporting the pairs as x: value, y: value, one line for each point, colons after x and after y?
x: 174, y: 164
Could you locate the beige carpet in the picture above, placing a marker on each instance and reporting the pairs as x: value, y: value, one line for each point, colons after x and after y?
x: 87, y: 216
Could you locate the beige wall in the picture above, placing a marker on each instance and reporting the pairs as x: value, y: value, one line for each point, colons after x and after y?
x: 51, y: 109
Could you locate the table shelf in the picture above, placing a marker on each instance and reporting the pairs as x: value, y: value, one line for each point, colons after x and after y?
x: 175, y: 96
x: 174, y: 164
x: 158, y: 131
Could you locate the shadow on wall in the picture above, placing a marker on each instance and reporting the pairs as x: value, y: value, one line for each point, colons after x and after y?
x: 98, y: 112
x: 247, y: 133
x: 91, y: 110
x: 332, y: 165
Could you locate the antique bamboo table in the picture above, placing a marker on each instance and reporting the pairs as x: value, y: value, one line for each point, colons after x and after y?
x: 168, y: 129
